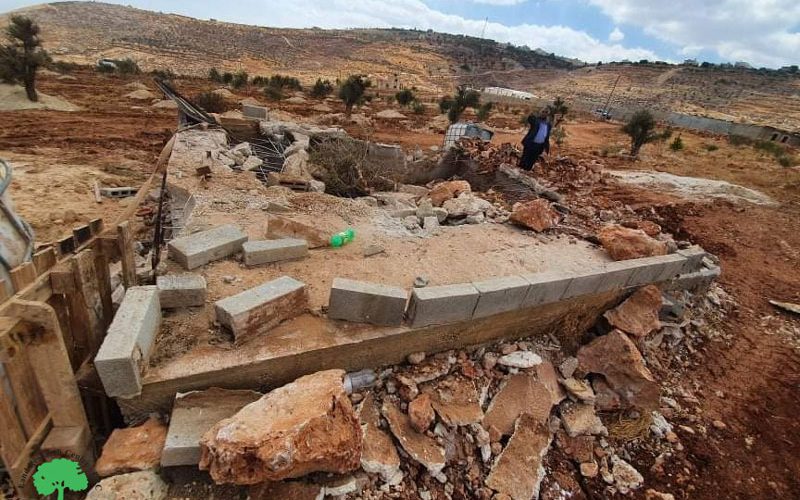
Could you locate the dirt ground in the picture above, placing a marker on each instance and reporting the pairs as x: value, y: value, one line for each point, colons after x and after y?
x: 750, y: 381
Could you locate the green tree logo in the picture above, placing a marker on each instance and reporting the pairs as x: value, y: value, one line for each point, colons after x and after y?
x: 57, y: 475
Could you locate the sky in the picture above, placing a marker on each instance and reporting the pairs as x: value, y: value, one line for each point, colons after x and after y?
x: 761, y: 32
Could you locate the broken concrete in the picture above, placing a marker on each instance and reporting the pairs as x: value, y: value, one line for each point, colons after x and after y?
x: 419, y: 447
x: 199, y: 249
x: 127, y: 345
x: 456, y: 400
x: 142, y: 485
x: 616, y: 358
x: 193, y: 414
x: 520, y: 359
x: 638, y: 315
x: 447, y: 190
x: 580, y: 419
x: 435, y: 305
x: 132, y: 449
x: 579, y: 390
x: 518, y: 471
x: 267, y: 251
x: 546, y: 375
x: 521, y: 393
x: 261, y: 308
x: 499, y: 295
x: 379, y: 456
x: 181, y: 290
x: 306, y: 426
x: 363, y: 302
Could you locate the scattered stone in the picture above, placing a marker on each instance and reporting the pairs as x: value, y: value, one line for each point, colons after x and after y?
x: 419, y: 447
x: 626, y: 477
x: 379, y: 456
x: 141, y: 95
x: 466, y: 204
x: 589, y: 469
x: 283, y: 227
x: 719, y: 424
x: 421, y: 281
x: 306, y: 426
x: 623, y: 243
x: 142, y: 485
x: 415, y: 358
x: 579, y: 389
x: 580, y: 448
x: 447, y: 190
x: 580, y: 420
x: 430, y: 369
x: 520, y: 359
x: 373, y: 249
x: 390, y: 114
x: 652, y: 494
x: 638, y: 315
x: 411, y: 223
x: 568, y: 366
x: 132, y: 449
x: 521, y: 393
x: 616, y: 357
x: 252, y: 163
x: 430, y: 223
x: 518, y: 471
x: 489, y: 360
x: 537, y: 215
x: 420, y: 411
x: 546, y: 374
x: 456, y: 400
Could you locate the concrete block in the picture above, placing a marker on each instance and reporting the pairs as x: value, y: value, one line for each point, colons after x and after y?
x: 546, y: 287
x: 437, y: 305
x: 118, y: 192
x: 694, y: 258
x: 263, y: 307
x: 257, y: 112
x: 654, y: 269
x: 193, y: 414
x: 266, y: 251
x: 499, y: 295
x: 201, y: 248
x: 181, y: 290
x: 585, y: 282
x: 366, y: 302
x: 126, y: 348
x: 672, y: 265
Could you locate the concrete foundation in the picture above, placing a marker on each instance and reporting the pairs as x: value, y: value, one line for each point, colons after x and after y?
x: 500, y: 295
x: 267, y: 251
x: 546, y: 287
x: 263, y: 307
x: 367, y: 302
x: 181, y: 290
x: 126, y: 347
x: 437, y: 305
x: 201, y: 248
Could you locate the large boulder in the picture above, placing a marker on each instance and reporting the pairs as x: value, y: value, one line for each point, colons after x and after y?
x: 638, y: 315
x: 306, y: 426
x: 447, y: 190
x: 623, y: 243
x: 538, y: 215
x: 465, y: 205
x: 616, y: 358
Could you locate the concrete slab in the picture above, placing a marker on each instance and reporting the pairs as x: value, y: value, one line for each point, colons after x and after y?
x: 266, y: 251
x: 500, y: 295
x: 546, y: 287
x: 181, y: 290
x: 193, y: 414
x: 363, y: 302
x: 263, y: 307
x: 126, y: 348
x: 201, y: 248
x: 438, y: 305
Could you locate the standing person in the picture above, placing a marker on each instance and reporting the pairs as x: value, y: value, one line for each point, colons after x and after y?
x: 536, y: 141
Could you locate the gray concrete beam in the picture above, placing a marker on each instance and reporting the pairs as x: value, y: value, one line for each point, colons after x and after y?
x: 546, y: 287
x: 267, y: 251
x: 363, y: 302
x: 499, y: 295
x: 181, y: 290
x: 198, y: 249
x: 438, y: 305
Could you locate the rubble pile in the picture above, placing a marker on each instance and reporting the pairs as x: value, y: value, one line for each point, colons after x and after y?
x: 489, y: 156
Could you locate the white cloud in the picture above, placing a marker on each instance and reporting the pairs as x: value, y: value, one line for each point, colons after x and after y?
x: 762, y: 32
x: 561, y: 40
x: 617, y: 35
x: 499, y: 2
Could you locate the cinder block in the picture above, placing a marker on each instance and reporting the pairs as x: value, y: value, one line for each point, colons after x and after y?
x: 499, y: 295
x: 201, y: 248
x: 266, y: 251
x: 694, y: 258
x: 118, y: 192
x: 181, y: 290
x: 257, y: 112
x: 546, y: 287
x: 193, y: 414
x: 437, y: 305
x: 366, y: 302
x: 126, y: 348
x: 263, y: 307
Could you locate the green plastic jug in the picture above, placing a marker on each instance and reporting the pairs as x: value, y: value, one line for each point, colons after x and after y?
x: 343, y: 238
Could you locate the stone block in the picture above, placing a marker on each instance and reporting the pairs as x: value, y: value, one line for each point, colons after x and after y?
x: 257, y: 112
x: 694, y: 258
x: 181, y: 290
x: 546, y: 287
x: 655, y: 269
x: 585, y: 282
x: 198, y: 249
x: 499, y: 295
x: 263, y: 307
x: 126, y: 348
x: 367, y: 302
x: 437, y: 305
x: 266, y: 251
x: 193, y: 414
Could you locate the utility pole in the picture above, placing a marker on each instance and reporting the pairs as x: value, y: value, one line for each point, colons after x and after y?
x: 605, y: 109
x: 483, y: 31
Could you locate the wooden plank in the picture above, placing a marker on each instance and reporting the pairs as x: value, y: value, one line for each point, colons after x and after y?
x: 77, y: 351
x: 44, y: 260
x: 18, y: 468
x: 23, y: 275
x: 125, y: 242
x: 31, y: 406
x: 76, y: 337
x: 110, y: 247
x: 66, y: 245
x: 82, y: 235
x: 3, y: 291
x: 12, y: 438
x: 103, y: 284
x: 87, y: 286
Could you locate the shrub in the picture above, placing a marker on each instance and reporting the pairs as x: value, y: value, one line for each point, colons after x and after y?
x: 351, y: 92
x: 404, y: 97
x: 273, y: 93
x: 711, y: 147
x: 445, y: 103
x: 322, y: 88
x: 211, y: 102
x: 417, y: 108
x: 641, y: 129
x: 463, y: 98
x: 227, y: 77
x: 677, y: 144
x: 260, y: 81
x: 483, y: 111
x: 164, y: 74
x: 738, y: 140
x: 344, y: 168
x: 127, y: 66
x: 214, y: 75
x: 285, y: 82
x: 64, y: 67
x: 786, y: 161
x: 240, y: 79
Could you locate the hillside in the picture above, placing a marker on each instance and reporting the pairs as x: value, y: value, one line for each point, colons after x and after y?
x: 84, y: 32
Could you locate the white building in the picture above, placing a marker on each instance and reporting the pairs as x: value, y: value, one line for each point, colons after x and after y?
x: 503, y: 92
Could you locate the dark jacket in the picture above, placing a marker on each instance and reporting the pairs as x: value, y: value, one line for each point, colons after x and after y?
x: 535, y: 123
